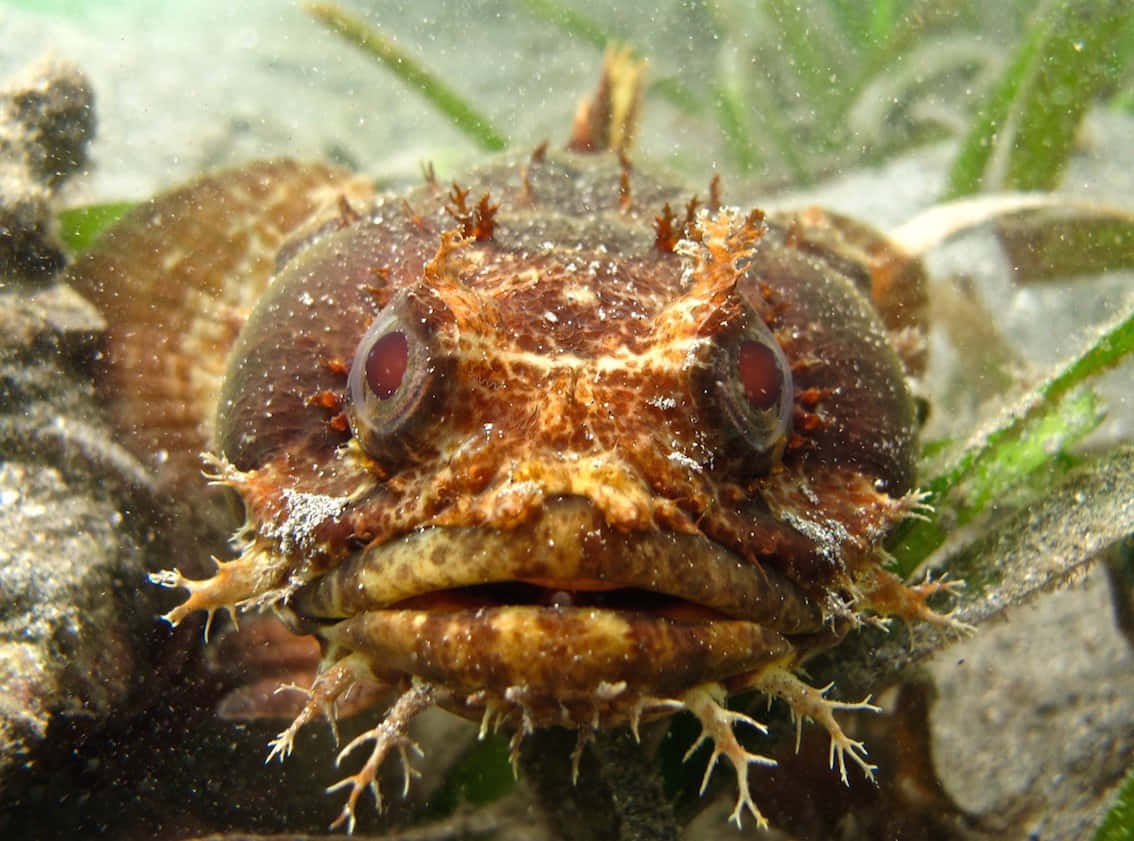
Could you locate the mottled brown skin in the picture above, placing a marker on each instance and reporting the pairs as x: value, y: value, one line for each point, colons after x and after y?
x: 547, y: 415
x: 561, y: 516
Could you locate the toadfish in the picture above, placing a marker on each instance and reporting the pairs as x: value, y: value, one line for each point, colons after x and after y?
x: 555, y: 445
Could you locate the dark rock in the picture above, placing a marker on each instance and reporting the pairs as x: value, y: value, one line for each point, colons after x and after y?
x: 46, y: 120
x: 73, y: 546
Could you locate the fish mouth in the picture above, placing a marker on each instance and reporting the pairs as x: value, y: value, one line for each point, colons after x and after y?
x: 562, y: 609
x: 565, y: 558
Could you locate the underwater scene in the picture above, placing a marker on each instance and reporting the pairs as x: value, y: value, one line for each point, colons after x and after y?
x: 552, y: 419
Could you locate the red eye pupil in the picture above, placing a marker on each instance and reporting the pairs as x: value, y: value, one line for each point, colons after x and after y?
x: 759, y: 375
x: 386, y: 364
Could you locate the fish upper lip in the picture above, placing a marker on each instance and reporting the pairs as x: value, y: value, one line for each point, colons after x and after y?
x: 567, y: 542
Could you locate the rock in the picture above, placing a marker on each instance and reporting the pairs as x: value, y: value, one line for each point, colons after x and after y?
x: 71, y: 611
x: 68, y: 566
x: 46, y: 121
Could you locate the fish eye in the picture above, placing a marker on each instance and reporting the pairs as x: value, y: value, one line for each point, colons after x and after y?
x: 761, y: 374
x: 395, y: 383
x: 386, y: 363
x: 752, y: 395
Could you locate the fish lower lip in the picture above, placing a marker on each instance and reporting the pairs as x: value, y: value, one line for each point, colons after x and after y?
x: 569, y: 548
x: 560, y: 655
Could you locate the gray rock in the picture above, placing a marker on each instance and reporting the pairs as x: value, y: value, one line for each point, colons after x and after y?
x: 76, y: 527
x: 46, y: 121
x: 71, y: 612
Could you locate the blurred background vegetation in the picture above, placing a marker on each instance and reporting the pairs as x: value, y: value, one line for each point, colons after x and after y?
x: 799, y: 91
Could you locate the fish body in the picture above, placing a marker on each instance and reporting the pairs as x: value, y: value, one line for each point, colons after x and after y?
x: 536, y: 446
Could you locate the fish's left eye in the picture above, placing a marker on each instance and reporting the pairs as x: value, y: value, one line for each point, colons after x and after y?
x: 396, y: 382
x: 386, y: 363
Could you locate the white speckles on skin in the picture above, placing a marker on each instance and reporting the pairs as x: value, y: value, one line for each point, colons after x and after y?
x: 306, y: 299
x: 827, y: 541
x: 837, y: 530
x: 550, y: 317
x: 809, y: 494
x: 524, y: 489
x: 664, y: 403
x: 579, y: 294
x: 305, y: 513
x: 684, y: 460
x: 659, y: 356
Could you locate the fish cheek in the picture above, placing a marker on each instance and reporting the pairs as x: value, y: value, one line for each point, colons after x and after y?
x: 864, y: 415
x: 307, y: 322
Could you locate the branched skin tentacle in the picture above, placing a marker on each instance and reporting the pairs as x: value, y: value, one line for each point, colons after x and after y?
x: 329, y: 686
x: 808, y: 702
x: 234, y: 583
x: 707, y: 703
x: 389, y: 735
